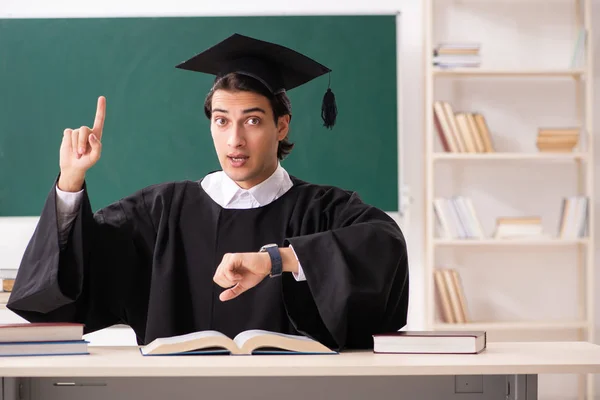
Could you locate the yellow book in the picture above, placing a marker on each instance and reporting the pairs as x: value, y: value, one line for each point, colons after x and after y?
x: 465, y: 132
x: 485, y: 132
x: 454, y: 297
x: 443, y: 297
x: 477, y: 136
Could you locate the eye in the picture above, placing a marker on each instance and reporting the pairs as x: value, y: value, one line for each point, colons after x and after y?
x: 220, y: 121
x: 254, y: 120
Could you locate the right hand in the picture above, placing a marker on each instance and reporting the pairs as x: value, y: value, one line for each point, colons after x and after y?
x: 80, y: 150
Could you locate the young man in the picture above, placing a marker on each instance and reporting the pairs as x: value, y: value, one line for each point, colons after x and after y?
x: 248, y: 247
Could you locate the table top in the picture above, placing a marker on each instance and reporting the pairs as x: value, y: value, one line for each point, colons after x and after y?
x: 498, y: 358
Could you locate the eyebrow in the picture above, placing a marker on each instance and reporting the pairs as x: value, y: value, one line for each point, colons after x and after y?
x: 254, y: 109
x: 247, y: 111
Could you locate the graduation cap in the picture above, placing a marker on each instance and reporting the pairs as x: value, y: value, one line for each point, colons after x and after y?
x: 277, y: 67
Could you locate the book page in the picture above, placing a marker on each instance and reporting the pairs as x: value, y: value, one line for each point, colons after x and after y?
x: 190, y: 336
x: 189, y: 342
x: 243, y: 337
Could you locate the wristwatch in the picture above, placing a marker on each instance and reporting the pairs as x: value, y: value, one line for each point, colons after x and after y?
x: 276, y: 261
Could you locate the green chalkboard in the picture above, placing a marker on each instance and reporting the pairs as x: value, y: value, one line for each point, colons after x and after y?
x: 53, y: 70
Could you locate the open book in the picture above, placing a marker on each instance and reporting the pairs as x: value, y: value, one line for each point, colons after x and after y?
x: 247, y: 342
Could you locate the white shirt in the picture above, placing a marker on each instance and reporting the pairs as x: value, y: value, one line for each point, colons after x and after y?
x: 222, y: 189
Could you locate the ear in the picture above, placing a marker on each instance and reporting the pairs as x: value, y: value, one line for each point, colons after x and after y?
x: 283, y: 127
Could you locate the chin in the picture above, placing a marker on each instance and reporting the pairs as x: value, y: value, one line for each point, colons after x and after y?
x: 237, y: 175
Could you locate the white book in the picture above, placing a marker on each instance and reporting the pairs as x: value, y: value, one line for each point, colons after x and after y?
x: 455, y: 217
x: 431, y: 342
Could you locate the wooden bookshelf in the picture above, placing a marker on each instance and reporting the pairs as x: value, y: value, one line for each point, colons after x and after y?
x: 507, y: 73
x: 443, y: 152
x: 511, y: 242
x: 514, y: 325
x: 505, y: 156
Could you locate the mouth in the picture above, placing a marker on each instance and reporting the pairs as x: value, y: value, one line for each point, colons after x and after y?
x: 237, y: 160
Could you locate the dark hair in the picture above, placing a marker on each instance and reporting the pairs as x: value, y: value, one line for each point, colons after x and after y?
x: 280, y: 103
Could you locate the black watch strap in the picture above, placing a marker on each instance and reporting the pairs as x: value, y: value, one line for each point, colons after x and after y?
x: 276, y: 261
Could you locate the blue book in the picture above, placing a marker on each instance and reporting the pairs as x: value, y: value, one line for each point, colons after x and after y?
x: 49, y: 348
x: 251, y: 342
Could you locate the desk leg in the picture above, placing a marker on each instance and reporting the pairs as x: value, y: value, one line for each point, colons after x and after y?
x: 521, y: 387
x: 14, y: 389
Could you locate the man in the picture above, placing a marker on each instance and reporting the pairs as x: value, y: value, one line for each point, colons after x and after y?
x: 248, y: 247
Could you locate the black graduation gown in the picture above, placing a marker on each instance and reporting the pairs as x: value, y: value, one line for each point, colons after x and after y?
x: 148, y: 261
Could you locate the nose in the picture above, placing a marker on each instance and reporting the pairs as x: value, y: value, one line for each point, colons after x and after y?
x: 236, y: 136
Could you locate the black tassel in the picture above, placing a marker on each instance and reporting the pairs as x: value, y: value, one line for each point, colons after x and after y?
x: 329, y: 109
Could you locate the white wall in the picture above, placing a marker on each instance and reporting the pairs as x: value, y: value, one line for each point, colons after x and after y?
x: 518, y: 294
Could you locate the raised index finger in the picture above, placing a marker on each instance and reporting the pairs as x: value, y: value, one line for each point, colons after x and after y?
x: 100, y: 114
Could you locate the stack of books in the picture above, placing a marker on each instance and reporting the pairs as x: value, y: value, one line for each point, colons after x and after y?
x: 7, y: 277
x: 451, y: 55
x: 461, y: 131
x: 42, y: 339
x: 557, y: 139
x: 518, y: 227
x: 7, y: 285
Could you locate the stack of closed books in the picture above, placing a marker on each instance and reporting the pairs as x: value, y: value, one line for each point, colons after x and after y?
x: 557, y: 139
x: 518, y: 227
x: 7, y: 285
x: 42, y: 339
x: 449, y: 55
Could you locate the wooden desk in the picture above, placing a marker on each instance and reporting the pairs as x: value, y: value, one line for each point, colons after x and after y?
x: 122, y: 372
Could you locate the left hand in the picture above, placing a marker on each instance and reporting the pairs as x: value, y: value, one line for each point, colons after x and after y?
x: 239, y: 272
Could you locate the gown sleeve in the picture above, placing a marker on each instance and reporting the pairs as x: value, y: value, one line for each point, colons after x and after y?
x: 354, y: 257
x: 88, y: 278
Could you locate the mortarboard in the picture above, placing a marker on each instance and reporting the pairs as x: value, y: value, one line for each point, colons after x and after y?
x: 277, y: 67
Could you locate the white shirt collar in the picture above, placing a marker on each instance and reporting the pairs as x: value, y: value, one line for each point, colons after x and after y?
x: 223, y: 190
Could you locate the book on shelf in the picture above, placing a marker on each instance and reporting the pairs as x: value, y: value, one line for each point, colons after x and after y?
x: 578, y: 57
x: 456, y: 218
x: 42, y: 339
x: 248, y: 342
x: 461, y: 131
x: 451, y: 300
x: 557, y: 139
x: 573, y: 217
x: 519, y: 227
x: 451, y: 55
x: 7, y: 285
x: 431, y: 342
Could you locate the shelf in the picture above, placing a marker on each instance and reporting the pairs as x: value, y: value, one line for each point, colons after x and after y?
x: 509, y: 326
x: 508, y: 73
x: 501, y: 156
x: 495, y: 83
x: 4, y: 299
x: 510, y: 242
